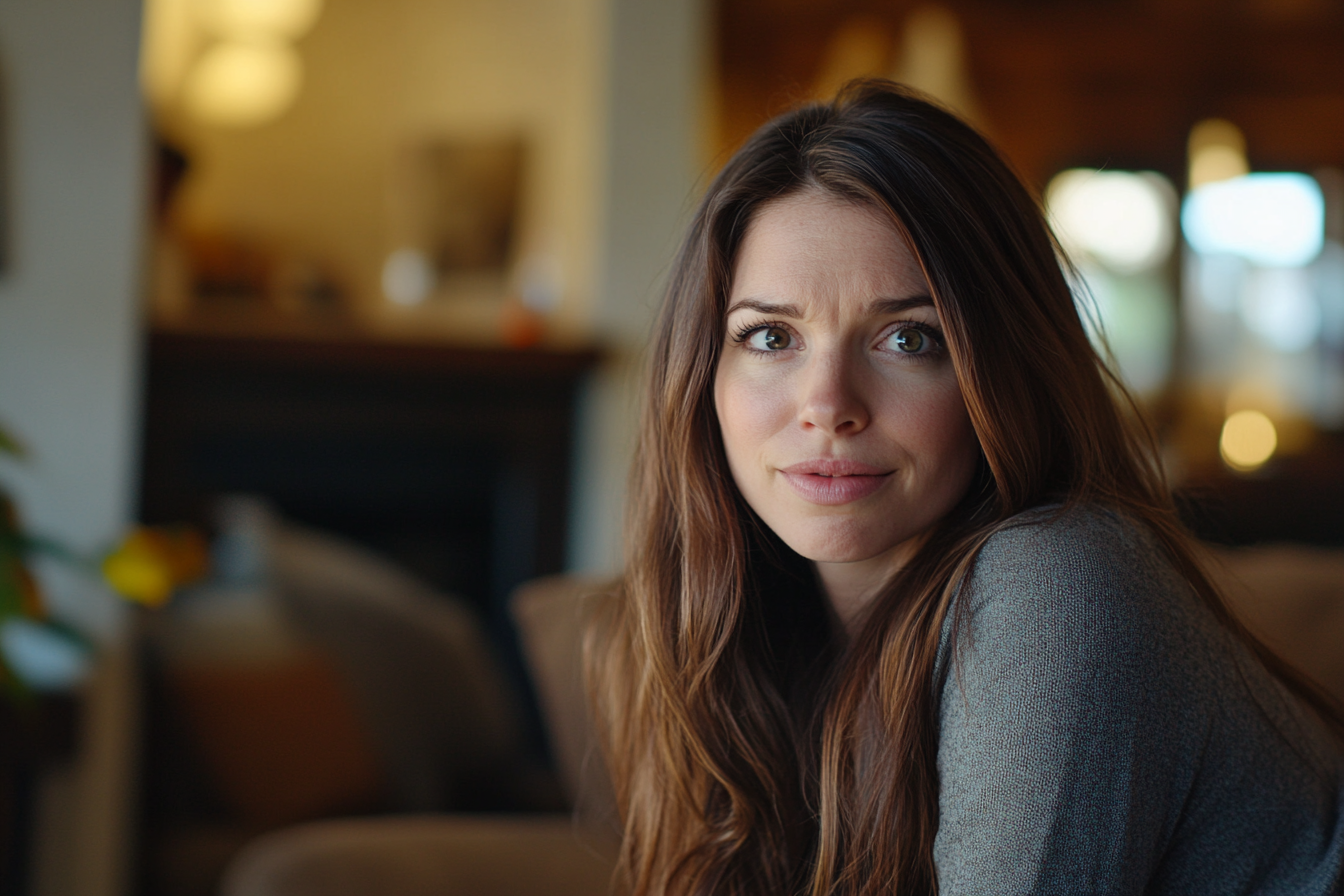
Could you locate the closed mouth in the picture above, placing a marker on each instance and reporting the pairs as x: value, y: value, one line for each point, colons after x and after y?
x: 834, y: 481
x: 834, y: 467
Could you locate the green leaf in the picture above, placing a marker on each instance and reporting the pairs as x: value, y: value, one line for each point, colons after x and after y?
x: 30, y: 545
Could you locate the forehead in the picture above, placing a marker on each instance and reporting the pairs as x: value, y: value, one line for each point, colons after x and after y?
x: 812, y: 246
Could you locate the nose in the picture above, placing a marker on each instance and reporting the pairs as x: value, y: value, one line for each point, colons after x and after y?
x: 832, y: 397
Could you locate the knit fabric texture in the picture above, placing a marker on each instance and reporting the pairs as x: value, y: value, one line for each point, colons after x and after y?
x: 1102, y: 733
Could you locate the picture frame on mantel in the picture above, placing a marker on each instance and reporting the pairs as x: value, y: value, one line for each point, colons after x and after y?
x: 457, y: 201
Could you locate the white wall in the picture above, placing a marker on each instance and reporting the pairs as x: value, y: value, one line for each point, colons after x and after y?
x: 69, y: 323
x: 657, y: 56
x: 69, y: 308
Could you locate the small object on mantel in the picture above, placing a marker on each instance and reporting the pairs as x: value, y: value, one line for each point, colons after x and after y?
x: 519, y: 325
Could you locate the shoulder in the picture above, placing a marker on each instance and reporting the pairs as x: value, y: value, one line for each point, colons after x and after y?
x: 1065, y: 545
x: 1068, y: 558
x: 1073, y: 632
x: 1097, y: 720
x: 1082, y: 587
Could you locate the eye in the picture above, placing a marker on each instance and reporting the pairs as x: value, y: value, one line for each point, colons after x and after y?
x: 910, y: 341
x: 769, y: 339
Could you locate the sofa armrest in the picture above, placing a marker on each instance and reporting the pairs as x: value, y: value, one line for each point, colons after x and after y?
x: 428, y: 855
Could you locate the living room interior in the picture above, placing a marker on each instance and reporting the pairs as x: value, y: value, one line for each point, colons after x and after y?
x: 356, y: 292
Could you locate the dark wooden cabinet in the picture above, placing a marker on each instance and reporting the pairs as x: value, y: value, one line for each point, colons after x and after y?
x: 453, y: 461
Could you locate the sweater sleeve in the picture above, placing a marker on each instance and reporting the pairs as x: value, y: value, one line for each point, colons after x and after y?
x: 1067, y: 743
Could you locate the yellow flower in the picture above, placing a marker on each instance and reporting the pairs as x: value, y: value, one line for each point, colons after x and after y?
x: 151, y: 563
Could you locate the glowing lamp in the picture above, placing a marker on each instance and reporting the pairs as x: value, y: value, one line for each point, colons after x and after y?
x: 1276, y: 220
x: 1120, y: 218
x: 243, y: 83
x: 1215, y: 163
x: 1217, y: 152
x: 1248, y: 440
x: 275, y: 19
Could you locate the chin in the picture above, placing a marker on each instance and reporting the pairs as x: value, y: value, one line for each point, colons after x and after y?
x: 839, y: 544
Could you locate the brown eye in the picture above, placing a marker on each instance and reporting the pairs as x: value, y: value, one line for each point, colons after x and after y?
x: 909, y: 340
x: 770, y: 339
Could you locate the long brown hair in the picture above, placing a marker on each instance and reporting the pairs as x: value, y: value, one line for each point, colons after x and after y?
x: 732, y: 720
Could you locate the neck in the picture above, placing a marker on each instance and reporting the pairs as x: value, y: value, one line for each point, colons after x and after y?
x: 851, y: 586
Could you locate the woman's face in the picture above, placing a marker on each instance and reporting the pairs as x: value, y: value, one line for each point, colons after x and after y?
x: 841, y: 416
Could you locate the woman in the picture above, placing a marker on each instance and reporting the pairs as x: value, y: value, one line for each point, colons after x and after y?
x: 908, y: 609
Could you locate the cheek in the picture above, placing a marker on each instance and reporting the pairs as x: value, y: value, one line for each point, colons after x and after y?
x: 951, y: 438
x: 931, y: 424
x: 750, y: 410
x: 952, y: 423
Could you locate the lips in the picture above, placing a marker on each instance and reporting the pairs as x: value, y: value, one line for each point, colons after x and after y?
x: 833, y: 480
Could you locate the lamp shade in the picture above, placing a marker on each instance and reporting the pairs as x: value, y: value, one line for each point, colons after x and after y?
x: 243, y: 83
x: 276, y: 19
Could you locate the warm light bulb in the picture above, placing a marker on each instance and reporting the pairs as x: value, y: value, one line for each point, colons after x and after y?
x: 1120, y: 218
x: 288, y: 19
x: 1216, y: 163
x: 243, y: 83
x: 1217, y: 152
x: 1248, y: 440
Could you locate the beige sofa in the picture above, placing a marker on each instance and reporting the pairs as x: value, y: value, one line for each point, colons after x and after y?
x: 495, y: 855
x: 431, y: 855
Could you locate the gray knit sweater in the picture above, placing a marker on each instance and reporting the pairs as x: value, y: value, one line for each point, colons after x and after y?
x: 1101, y: 733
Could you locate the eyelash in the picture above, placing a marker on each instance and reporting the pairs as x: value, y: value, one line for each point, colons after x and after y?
x: 935, y: 334
x: 743, y: 333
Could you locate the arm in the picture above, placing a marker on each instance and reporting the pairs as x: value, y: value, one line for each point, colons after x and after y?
x: 1066, y: 744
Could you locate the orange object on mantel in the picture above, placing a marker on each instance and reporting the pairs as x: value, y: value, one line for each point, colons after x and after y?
x: 520, y: 326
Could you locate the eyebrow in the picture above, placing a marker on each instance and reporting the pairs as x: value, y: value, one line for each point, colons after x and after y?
x: 764, y: 307
x: 896, y: 306
x: 877, y: 306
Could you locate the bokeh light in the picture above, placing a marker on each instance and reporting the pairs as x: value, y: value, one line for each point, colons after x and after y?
x: 1277, y: 220
x: 1279, y: 309
x: 1119, y: 229
x: 1248, y: 440
x: 243, y: 83
x: 1120, y: 218
x: 1217, y: 152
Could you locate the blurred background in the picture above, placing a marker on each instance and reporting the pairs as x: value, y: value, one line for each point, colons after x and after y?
x: 356, y: 290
